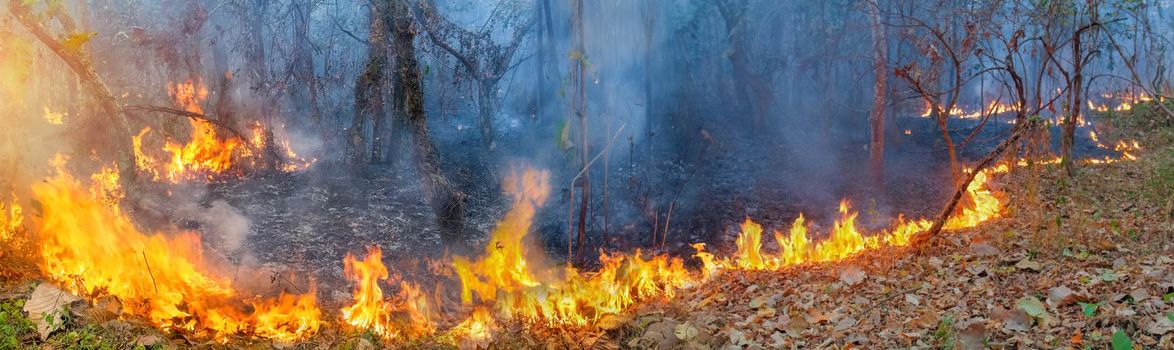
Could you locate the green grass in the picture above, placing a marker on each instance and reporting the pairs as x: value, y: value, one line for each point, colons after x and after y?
x: 15, y: 328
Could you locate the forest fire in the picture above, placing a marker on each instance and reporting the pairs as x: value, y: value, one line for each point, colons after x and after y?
x: 11, y: 219
x: 992, y: 108
x: 94, y: 250
x: 189, y: 216
x: 844, y: 239
x: 510, y: 278
x: 208, y: 155
x: 406, y: 316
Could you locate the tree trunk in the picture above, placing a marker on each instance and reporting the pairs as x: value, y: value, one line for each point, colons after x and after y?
x: 649, y: 27
x: 1068, y: 138
x: 447, y: 202
x: 258, y: 67
x: 369, y: 85
x: 485, y: 109
x: 307, y: 91
x: 581, y: 112
x: 880, y: 75
x: 120, y: 130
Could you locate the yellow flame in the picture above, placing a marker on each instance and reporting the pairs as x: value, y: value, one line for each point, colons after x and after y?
x: 505, y: 278
x: 371, y: 312
x: 207, y: 155
x: 11, y: 220
x: 55, y: 118
x: 93, y: 249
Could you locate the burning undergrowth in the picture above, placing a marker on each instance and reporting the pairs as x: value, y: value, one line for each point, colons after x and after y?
x: 94, y: 249
x: 91, y: 247
x: 211, y: 153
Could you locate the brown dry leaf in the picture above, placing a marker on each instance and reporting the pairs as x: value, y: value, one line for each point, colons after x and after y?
x: 612, y: 321
x: 1160, y: 326
x: 1027, y: 264
x: 1063, y: 296
x: 972, y: 337
x: 983, y: 249
x: 1015, y: 319
x: 47, y: 307
x: 851, y: 275
x: 845, y: 324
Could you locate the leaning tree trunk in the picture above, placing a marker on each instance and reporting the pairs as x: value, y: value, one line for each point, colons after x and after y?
x: 447, y: 202
x: 80, y: 63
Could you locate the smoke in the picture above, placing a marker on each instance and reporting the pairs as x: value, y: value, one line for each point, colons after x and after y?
x: 216, y: 219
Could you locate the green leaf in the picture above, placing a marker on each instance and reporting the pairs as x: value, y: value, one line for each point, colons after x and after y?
x: 1089, y: 309
x: 1032, y: 306
x: 1170, y: 316
x: 1168, y: 297
x: 1121, y: 341
x: 1109, y: 275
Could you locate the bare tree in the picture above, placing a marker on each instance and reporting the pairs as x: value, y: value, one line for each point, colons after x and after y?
x: 484, y: 60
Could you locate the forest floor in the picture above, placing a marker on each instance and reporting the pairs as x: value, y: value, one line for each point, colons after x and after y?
x: 1086, y: 262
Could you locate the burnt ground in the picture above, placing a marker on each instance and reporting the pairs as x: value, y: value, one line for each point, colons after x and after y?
x: 305, y: 223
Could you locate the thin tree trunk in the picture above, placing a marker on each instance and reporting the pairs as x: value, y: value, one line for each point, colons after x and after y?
x: 880, y: 74
x: 369, y: 85
x: 447, y: 202
x: 649, y: 27
x: 925, y: 236
x: 581, y: 111
x: 1069, y: 137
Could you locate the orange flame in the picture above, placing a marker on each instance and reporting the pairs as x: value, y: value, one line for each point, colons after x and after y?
x: 94, y: 249
x: 11, y: 220
x: 207, y: 154
x: 505, y: 278
x: 371, y: 312
x: 845, y: 239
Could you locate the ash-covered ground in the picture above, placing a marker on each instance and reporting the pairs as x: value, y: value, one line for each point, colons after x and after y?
x: 306, y: 223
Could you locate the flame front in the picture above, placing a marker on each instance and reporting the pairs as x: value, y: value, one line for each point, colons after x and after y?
x: 506, y: 279
x: 371, y: 312
x: 845, y: 239
x: 93, y: 249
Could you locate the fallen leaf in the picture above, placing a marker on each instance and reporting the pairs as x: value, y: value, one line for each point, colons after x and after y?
x: 972, y: 337
x: 757, y: 302
x: 1032, y: 306
x: 1027, y: 264
x: 685, y: 331
x: 47, y: 307
x: 1088, y: 309
x: 851, y: 275
x: 1121, y: 341
x: 1109, y: 276
x: 1063, y: 296
x: 148, y: 340
x: 1014, y: 320
x: 845, y: 324
x: 738, y: 338
x: 1161, y: 325
x: 612, y: 321
x: 983, y: 249
x: 913, y: 299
